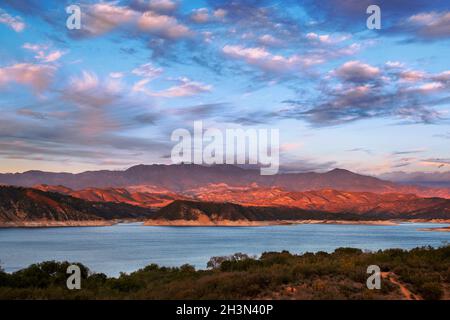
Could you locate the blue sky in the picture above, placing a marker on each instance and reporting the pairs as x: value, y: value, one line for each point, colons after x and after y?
x: 109, y: 95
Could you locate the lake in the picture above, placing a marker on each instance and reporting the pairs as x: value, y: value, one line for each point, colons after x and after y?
x: 128, y: 247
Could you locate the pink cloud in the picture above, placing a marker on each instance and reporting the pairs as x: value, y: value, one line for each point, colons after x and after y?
x: 184, y: 88
x: 325, y: 38
x: 200, y: 15
x: 104, y: 17
x: 263, y: 59
x: 203, y: 15
x: 412, y: 75
x: 38, y: 76
x: 431, y: 24
x: 162, y: 25
x: 162, y: 5
x: 357, y: 71
x: 42, y: 54
x: 147, y: 71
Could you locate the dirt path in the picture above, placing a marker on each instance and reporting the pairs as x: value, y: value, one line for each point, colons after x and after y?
x: 392, y: 277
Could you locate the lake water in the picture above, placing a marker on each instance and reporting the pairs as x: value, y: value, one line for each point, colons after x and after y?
x: 128, y: 247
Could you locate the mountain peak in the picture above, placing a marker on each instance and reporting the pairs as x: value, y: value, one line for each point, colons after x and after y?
x: 341, y: 171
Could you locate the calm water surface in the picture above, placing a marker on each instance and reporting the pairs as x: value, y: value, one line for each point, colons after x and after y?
x: 128, y: 247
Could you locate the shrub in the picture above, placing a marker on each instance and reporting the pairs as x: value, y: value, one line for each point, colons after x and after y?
x: 216, y: 262
x: 431, y: 291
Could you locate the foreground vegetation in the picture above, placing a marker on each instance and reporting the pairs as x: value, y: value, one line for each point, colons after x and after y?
x: 425, y: 272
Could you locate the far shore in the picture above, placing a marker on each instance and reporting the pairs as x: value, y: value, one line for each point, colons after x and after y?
x: 60, y: 224
x: 246, y: 223
x: 444, y: 229
x: 221, y: 223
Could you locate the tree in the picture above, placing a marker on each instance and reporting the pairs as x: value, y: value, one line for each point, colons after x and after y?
x: 216, y: 262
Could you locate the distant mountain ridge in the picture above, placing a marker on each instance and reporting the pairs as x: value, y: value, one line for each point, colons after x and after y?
x: 179, y: 178
x: 427, y: 179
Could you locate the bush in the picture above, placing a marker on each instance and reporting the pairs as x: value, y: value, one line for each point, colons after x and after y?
x: 187, y: 268
x: 216, y: 262
x: 431, y: 291
x: 348, y: 251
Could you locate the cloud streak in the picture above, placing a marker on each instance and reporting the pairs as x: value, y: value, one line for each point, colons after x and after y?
x: 16, y: 23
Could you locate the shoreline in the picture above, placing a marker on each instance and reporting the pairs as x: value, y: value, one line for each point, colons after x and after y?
x: 221, y: 223
x: 443, y: 229
x: 64, y: 224
x: 246, y: 223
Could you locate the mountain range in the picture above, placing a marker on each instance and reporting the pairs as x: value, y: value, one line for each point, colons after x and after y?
x: 183, y: 177
x: 163, y: 194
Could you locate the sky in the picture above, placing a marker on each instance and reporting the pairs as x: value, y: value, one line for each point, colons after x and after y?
x: 109, y: 95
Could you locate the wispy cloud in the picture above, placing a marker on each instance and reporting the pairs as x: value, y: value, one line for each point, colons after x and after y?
x: 266, y: 61
x: 44, y: 53
x: 184, y: 88
x: 14, y: 22
x: 148, y: 71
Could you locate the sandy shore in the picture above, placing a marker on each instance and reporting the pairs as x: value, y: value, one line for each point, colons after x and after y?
x: 56, y: 224
x: 444, y: 229
x: 222, y: 223
x: 246, y: 223
x: 209, y: 223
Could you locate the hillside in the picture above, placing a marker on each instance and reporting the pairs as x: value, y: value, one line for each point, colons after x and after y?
x: 25, y: 206
x: 327, y: 200
x: 136, y: 196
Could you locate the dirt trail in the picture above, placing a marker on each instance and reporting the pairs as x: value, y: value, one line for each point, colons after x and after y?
x: 392, y: 277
